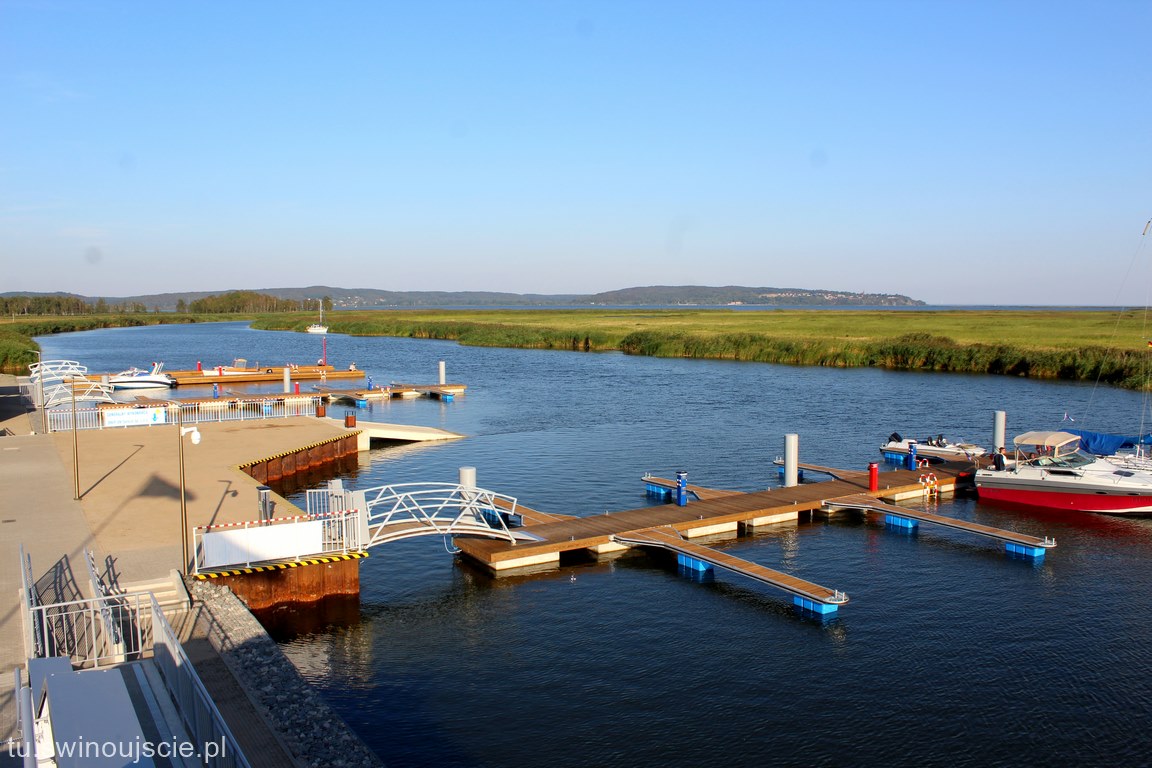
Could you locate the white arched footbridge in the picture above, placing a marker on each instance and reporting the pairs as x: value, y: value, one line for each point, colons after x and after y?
x: 340, y: 521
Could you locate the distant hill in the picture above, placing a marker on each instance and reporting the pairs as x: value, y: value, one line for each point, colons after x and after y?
x: 737, y: 294
x: 367, y: 298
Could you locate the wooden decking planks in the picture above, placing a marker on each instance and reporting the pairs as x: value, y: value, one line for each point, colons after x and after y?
x: 863, y: 501
x: 700, y: 491
x: 667, y: 538
x: 594, y: 530
x: 531, y: 516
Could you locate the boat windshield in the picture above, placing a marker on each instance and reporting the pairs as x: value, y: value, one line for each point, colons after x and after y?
x: 1072, y: 460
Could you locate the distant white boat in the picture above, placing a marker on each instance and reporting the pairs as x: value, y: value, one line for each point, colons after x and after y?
x: 319, y: 327
x: 137, y: 378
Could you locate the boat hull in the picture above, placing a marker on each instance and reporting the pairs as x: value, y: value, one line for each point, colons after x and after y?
x: 950, y: 452
x: 141, y: 383
x: 1080, y: 501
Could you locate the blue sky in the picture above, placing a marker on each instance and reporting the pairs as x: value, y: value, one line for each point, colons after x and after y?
x: 957, y: 152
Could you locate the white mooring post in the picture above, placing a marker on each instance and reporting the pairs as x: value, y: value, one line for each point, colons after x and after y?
x: 287, y: 379
x: 468, y: 478
x: 443, y: 377
x: 999, y: 426
x: 791, y: 460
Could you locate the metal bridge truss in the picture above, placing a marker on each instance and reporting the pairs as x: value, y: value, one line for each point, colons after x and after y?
x: 342, y: 521
x: 438, y: 509
x: 55, y: 382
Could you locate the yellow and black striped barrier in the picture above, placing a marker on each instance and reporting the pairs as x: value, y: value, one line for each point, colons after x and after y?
x: 301, y: 449
x: 281, y: 566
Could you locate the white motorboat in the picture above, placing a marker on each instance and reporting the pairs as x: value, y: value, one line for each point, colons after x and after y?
x: 137, y: 378
x: 897, y: 448
x: 1051, y: 471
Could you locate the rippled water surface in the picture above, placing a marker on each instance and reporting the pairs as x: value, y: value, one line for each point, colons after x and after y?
x: 950, y: 653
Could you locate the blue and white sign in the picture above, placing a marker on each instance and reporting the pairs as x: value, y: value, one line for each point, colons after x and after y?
x: 134, y: 417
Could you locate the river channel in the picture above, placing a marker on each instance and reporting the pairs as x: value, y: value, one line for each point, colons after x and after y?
x: 950, y: 652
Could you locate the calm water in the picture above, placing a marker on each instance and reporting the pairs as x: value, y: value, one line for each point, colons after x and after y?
x: 950, y: 652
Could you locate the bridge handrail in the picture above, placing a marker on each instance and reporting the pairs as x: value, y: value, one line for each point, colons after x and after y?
x: 425, y: 503
x: 56, y: 370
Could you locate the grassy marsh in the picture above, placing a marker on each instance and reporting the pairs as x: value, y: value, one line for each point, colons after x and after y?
x: 1074, y: 344
x: 1078, y: 345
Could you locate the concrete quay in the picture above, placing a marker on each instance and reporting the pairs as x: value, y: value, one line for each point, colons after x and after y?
x: 129, y: 510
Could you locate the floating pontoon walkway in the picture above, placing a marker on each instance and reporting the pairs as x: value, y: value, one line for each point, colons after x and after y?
x: 262, y: 374
x: 360, y: 397
x: 721, y: 513
x: 807, y: 595
x: 664, y: 488
x: 1017, y: 543
x: 440, y: 391
x: 839, y: 474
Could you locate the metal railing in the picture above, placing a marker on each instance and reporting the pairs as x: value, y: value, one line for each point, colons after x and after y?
x: 202, y: 719
x: 96, y: 632
x: 340, y: 534
x: 352, y: 521
x: 33, y: 640
x: 117, y: 628
x: 421, y: 509
x: 230, y: 409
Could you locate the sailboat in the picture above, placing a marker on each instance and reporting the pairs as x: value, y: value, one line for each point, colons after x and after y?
x: 319, y: 327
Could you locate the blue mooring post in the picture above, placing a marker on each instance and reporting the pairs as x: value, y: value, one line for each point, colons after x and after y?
x: 912, y: 456
x: 216, y: 390
x: 681, y: 489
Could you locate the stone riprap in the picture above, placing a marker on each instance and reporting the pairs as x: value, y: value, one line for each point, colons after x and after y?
x: 306, y: 725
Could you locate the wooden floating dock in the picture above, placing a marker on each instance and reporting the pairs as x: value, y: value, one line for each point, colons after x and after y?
x: 718, y: 514
x: 867, y: 503
x: 263, y: 374
x: 690, y: 554
x: 659, y: 486
x: 717, y: 511
x: 360, y: 397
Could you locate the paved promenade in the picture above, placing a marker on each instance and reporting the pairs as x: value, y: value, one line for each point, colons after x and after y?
x: 129, y: 507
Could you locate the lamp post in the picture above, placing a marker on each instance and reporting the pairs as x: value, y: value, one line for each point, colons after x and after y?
x: 195, y: 432
x: 43, y: 425
x: 75, y: 444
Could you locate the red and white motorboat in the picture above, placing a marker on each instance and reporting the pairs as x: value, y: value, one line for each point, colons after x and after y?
x: 1050, y: 471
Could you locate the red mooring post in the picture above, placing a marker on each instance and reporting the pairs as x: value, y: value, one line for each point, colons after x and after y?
x: 873, y: 476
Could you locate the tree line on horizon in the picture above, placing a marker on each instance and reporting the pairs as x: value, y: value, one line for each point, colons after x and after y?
x: 233, y: 302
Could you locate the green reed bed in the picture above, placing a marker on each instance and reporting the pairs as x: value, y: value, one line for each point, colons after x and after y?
x: 1076, y: 345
